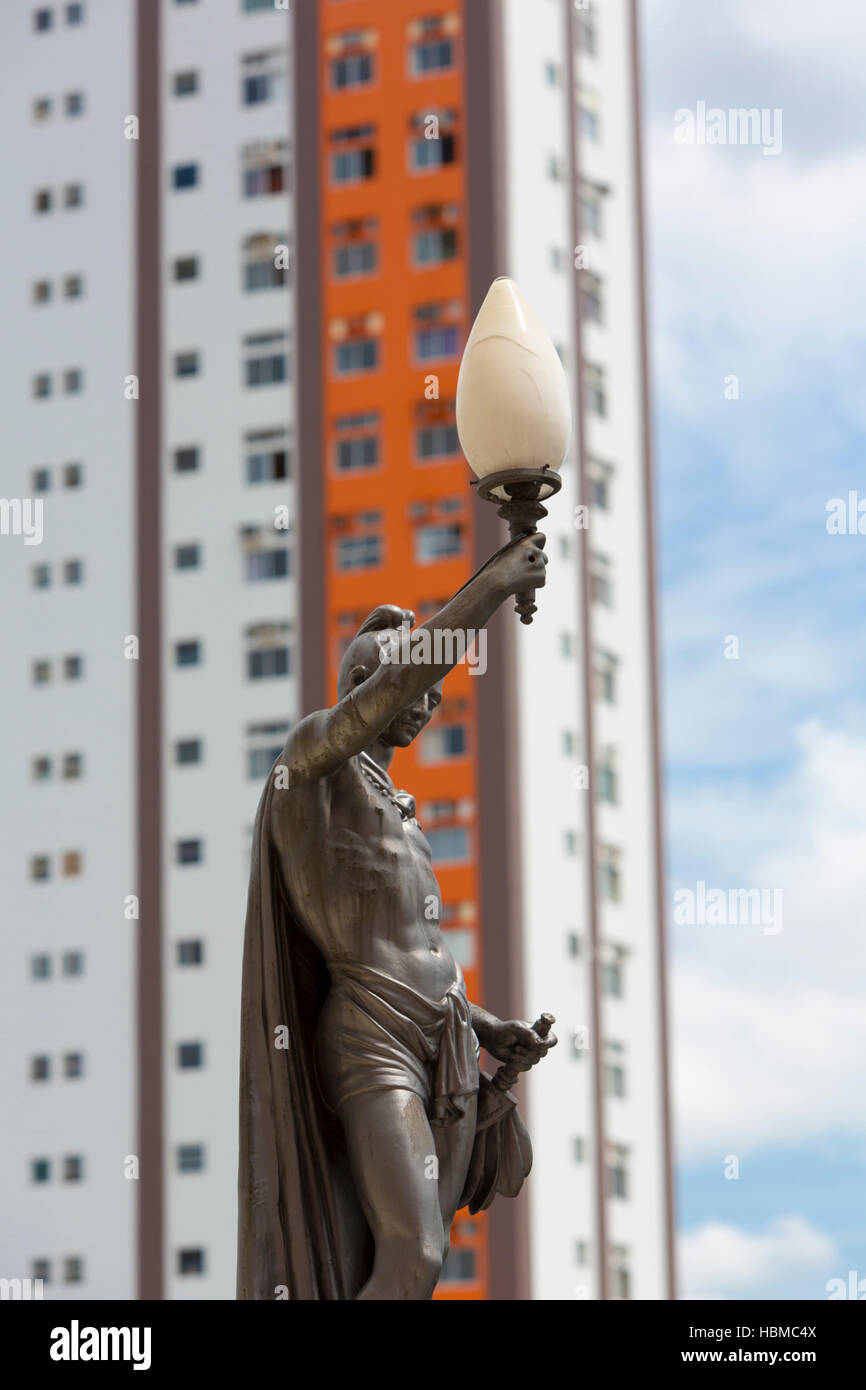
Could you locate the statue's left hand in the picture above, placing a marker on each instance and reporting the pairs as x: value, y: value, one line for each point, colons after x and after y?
x: 518, y: 1043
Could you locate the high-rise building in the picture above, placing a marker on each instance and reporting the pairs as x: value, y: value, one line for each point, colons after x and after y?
x: 247, y: 254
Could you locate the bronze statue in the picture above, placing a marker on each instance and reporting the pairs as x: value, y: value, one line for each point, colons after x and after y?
x: 365, y: 1123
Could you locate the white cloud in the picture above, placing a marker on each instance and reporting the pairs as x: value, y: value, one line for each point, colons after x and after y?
x: 770, y: 1030
x: 721, y: 1261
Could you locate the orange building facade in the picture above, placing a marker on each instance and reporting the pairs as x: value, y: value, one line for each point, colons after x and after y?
x: 397, y: 508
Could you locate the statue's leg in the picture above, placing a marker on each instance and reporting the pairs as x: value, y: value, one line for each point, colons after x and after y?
x: 454, y: 1149
x: 394, y: 1164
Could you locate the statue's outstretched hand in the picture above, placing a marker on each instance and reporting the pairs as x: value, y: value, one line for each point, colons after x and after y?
x: 518, y: 1043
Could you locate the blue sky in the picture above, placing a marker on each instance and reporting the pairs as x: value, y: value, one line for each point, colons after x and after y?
x: 758, y: 271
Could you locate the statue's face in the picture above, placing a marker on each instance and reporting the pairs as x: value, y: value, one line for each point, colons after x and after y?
x: 409, y: 722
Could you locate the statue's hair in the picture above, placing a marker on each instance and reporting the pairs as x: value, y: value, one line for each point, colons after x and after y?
x: 388, y: 617
x: 385, y: 617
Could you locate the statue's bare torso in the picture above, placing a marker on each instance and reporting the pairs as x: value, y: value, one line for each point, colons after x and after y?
x: 361, y: 879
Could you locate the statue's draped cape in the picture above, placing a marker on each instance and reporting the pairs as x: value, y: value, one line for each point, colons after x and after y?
x: 301, y: 1231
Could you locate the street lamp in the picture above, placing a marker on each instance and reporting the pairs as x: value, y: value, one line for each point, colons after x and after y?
x: 513, y: 413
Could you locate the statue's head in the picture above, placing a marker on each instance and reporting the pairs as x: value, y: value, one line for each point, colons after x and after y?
x: 376, y: 635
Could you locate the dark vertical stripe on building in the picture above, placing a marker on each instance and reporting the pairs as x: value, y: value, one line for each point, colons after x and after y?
x: 497, y: 738
x: 149, y: 737
x: 588, y: 665
x: 652, y: 627
x: 311, y: 638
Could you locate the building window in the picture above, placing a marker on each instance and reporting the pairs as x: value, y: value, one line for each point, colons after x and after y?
x: 434, y: 235
x: 438, y: 542
x: 266, y: 456
x: 432, y: 146
x: 268, y: 655
x: 264, y: 166
x: 190, y: 1261
x: 72, y: 962
x: 187, y: 751
x: 185, y: 176
x: 619, y: 1273
x: 41, y: 576
x: 185, y: 268
x: 41, y: 291
x: 73, y: 668
x: 73, y: 1065
x: 355, y: 249
x: 73, y: 195
x: 614, y: 1079
x: 41, y: 672
x: 431, y: 55
x: 460, y: 1266
x: 450, y: 842
x: 551, y: 74
x: 265, y: 256
x: 605, y: 677
x: 436, y: 331
x: 73, y: 1269
x: 187, y: 364
x: 73, y: 1168
x: 351, y: 69
x: 254, y: 6
x: 40, y: 1170
x: 190, y: 1158
x: 601, y: 579
x: 267, y: 563
x: 73, y: 103
x: 591, y: 296
x: 73, y: 381
x: 41, y: 868
x: 265, y: 743
x: 358, y: 552
x: 40, y: 1068
x: 185, y: 83
x: 436, y: 441
x: 265, y: 359
x: 187, y: 556
x: 262, y: 76
x: 353, y: 154
x: 588, y: 113
x: 40, y: 968
x: 74, y: 14
x: 590, y: 197
x: 594, y: 389
x: 73, y: 571
x: 600, y: 478
x: 188, y: 852
x: 607, y: 780
x: 41, y: 1269
x: 42, y: 386
x: 190, y: 952
x: 440, y: 742
x: 357, y: 443
x: 356, y: 355
x: 190, y: 1055
x: 43, y: 20
x: 187, y: 459
x: 187, y: 653
x: 612, y: 975
x: 73, y: 286
x: 71, y: 863
x: 610, y: 873
x: 40, y: 480
x: 71, y: 767
x: 587, y: 31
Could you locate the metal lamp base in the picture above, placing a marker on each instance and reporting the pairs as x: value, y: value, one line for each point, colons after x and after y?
x: 519, y: 492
